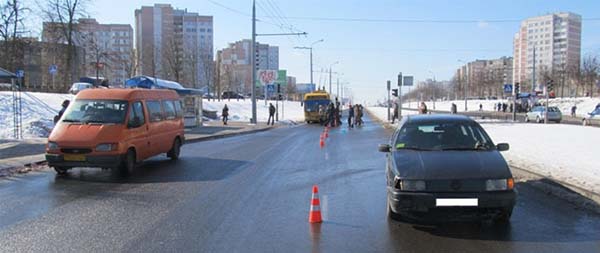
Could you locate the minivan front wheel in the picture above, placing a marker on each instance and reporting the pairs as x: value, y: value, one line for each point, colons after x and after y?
x: 61, y: 170
x: 175, y: 150
x: 129, y: 162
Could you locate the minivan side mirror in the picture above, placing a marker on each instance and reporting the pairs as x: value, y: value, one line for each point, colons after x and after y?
x: 502, y: 146
x: 386, y: 148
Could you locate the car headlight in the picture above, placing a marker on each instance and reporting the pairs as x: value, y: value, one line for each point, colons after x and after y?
x: 106, y: 147
x: 410, y: 185
x: 499, y: 184
x: 52, y: 145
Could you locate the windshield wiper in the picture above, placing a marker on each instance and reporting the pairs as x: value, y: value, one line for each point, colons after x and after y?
x: 70, y: 120
x: 415, y: 148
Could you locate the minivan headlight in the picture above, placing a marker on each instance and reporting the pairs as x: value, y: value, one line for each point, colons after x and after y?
x: 52, y: 145
x: 499, y: 184
x: 411, y: 185
x: 106, y: 147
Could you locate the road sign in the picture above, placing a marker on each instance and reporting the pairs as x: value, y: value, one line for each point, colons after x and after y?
x: 408, y: 81
x: 271, y: 88
x: 508, y: 88
x: 20, y: 73
x: 267, y: 76
x: 52, y: 69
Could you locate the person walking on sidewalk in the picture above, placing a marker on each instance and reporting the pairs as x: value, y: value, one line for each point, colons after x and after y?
x: 574, y: 111
x: 453, y: 108
x: 271, y: 119
x: 350, y: 116
x: 395, y: 115
x: 225, y: 114
x: 64, y: 106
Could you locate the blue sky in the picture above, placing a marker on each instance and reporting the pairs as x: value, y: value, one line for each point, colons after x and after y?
x: 372, y: 52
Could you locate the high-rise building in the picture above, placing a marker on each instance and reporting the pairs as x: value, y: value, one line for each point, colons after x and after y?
x: 108, y: 47
x: 235, y: 63
x: 485, y: 77
x: 553, y: 40
x: 175, y: 44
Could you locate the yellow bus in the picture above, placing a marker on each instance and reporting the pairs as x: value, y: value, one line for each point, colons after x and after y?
x: 312, y: 103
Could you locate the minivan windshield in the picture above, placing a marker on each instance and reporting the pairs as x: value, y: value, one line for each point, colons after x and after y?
x: 96, y: 111
x: 443, y: 136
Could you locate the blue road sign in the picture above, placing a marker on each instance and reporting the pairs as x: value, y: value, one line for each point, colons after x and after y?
x: 20, y: 73
x: 508, y: 88
x: 270, y: 88
x: 52, y: 69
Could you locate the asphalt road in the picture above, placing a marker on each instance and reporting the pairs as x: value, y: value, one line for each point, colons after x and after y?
x: 252, y: 194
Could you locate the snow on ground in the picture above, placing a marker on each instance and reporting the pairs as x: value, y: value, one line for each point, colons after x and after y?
x: 584, y: 105
x: 38, y: 111
x: 564, y: 152
x: 242, y: 110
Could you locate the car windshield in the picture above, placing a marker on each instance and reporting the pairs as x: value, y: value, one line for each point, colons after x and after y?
x: 443, y: 136
x: 96, y: 111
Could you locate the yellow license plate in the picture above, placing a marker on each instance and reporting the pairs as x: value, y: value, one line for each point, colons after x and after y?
x: 74, y: 158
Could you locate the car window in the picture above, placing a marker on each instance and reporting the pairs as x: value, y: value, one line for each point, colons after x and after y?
x: 154, y: 111
x: 178, y: 108
x: 136, y: 111
x: 96, y: 111
x: 169, y: 109
x: 443, y: 136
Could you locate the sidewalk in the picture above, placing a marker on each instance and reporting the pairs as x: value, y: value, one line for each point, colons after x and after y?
x: 20, y: 153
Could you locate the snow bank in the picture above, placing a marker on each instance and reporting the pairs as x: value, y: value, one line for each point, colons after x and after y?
x: 242, y: 110
x: 38, y: 111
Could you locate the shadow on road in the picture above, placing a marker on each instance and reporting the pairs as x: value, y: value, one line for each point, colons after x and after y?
x: 157, y: 170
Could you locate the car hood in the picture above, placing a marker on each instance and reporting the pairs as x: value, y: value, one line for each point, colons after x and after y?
x: 435, y: 165
x: 83, y: 135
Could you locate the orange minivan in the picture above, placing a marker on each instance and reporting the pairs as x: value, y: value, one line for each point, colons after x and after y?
x: 116, y: 128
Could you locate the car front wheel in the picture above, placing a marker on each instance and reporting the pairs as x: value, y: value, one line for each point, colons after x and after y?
x: 538, y: 119
x: 526, y: 119
x: 61, y: 170
x: 175, y: 150
x: 128, y: 164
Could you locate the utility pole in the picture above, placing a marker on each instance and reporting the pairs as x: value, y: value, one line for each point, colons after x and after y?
x: 399, y: 106
x: 389, y: 84
x: 253, y: 58
x: 337, y: 94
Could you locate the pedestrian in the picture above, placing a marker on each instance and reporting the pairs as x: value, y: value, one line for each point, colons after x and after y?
x: 573, y: 110
x: 330, y: 115
x: 225, y: 114
x: 356, y: 114
x: 423, y: 108
x: 510, y: 107
x: 336, y: 113
x: 504, y: 106
x: 360, y: 114
x: 64, y: 106
x: 499, y: 106
x: 480, y: 107
x: 271, y: 119
x: 453, y: 109
x: 395, y: 114
x: 350, y: 116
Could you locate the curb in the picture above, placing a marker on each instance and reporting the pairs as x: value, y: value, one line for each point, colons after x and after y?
x: 5, y: 172
x: 384, y: 123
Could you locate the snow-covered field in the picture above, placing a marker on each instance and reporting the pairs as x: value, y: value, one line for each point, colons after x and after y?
x: 584, y: 105
x: 242, y: 110
x: 564, y: 152
x: 40, y: 108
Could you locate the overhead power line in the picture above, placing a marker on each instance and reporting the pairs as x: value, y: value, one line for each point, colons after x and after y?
x: 441, y: 21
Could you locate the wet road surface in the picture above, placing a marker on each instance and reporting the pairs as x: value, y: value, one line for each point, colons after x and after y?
x: 252, y: 194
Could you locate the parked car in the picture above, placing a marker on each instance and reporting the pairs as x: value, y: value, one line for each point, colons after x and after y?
x: 538, y: 113
x: 77, y: 87
x: 116, y: 128
x: 590, y: 117
x: 446, y: 167
x: 231, y: 94
x: 208, y: 96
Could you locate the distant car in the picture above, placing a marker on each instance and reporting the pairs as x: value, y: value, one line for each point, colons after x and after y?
x: 538, y: 114
x: 77, y: 87
x: 446, y: 167
x: 595, y: 115
x: 231, y: 94
x: 208, y: 96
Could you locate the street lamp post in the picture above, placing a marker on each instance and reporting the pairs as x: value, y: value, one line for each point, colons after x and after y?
x: 330, y: 67
x: 467, y: 82
x: 433, y: 88
x: 311, y: 57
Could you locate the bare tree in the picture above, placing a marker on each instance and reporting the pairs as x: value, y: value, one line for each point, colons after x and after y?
x: 208, y: 69
x: 173, y: 59
x: 62, y: 16
x: 12, y: 14
x: 590, y: 71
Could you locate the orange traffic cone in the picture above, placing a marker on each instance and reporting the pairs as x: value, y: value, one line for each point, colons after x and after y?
x: 315, y: 207
x: 322, y: 143
x: 326, y: 133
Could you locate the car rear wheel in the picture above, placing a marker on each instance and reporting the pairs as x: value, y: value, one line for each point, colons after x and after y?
x: 128, y: 164
x: 61, y: 170
x: 175, y: 150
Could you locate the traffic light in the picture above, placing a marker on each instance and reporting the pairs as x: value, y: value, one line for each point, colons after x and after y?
x: 550, y: 85
x: 278, y: 88
x: 517, y: 88
x: 395, y: 92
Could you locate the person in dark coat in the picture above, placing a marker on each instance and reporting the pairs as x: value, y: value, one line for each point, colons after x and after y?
x: 574, y: 111
x: 395, y: 115
x: 225, y: 114
x: 271, y: 119
x: 64, y: 106
x: 350, y: 116
x: 453, y: 108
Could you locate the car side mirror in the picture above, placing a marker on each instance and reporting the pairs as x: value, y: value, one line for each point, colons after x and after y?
x: 386, y: 148
x: 502, y: 147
